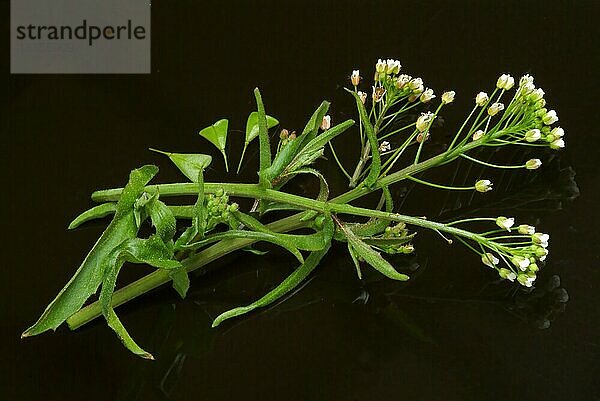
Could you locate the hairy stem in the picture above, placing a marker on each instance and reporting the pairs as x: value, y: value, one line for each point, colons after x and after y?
x: 338, y: 204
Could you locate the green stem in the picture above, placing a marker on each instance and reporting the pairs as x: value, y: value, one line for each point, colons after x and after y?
x: 204, y: 257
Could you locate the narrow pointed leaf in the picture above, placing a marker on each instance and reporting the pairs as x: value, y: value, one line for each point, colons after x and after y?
x: 292, y: 281
x: 188, y: 163
x: 263, y: 134
x: 88, y: 277
x: 375, y: 168
x: 371, y: 256
x: 97, y: 212
x: 152, y: 251
x: 276, y: 239
x: 217, y: 135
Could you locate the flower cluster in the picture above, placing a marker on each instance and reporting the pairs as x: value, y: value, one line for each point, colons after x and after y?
x: 520, y: 252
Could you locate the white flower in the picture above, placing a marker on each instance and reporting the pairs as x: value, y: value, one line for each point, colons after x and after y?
x: 533, y: 164
x: 533, y: 135
x: 362, y: 96
x: 520, y: 262
x: 505, y: 222
x: 402, y: 80
x: 495, y: 108
x: 550, y: 118
x: 478, y: 134
x: 527, y: 88
x: 526, y: 229
x: 525, y: 280
x: 393, y: 66
x: 380, y: 66
x: 416, y: 86
x: 537, y: 94
x: 385, y: 146
x: 355, y: 77
x: 489, y: 259
x: 558, y: 144
x: 557, y: 132
x: 526, y: 79
x: 505, y: 82
x: 424, y: 120
x: 448, y: 97
x: 326, y: 123
x: 481, y: 99
x: 507, y: 274
x: 541, y: 239
x: 483, y: 186
x: 427, y: 95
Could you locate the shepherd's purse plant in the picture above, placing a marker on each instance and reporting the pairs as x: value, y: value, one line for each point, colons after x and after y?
x: 509, y: 116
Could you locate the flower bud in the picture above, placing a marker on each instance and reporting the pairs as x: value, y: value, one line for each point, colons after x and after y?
x: 550, y: 118
x: 362, y: 96
x: 533, y: 135
x: 378, y: 93
x: 507, y: 274
x: 520, y: 262
x: 326, y: 123
x: 481, y: 99
x: 533, y: 267
x: 219, y: 192
x: 422, y: 137
x: 483, y: 186
x: 526, y: 229
x: 558, y: 144
x: 448, y: 97
x: 283, y: 134
x: 505, y: 222
x: 427, y: 95
x: 424, y: 121
x: 477, y: 135
x: 495, y: 108
x: 533, y: 164
x: 489, y: 259
x: 355, y: 77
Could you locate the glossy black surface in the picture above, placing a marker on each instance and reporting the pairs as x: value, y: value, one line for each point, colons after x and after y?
x: 451, y: 333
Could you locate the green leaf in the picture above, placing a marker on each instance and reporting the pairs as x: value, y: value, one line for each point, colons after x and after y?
x: 217, y: 135
x: 152, y: 251
x: 289, y: 151
x: 252, y: 131
x: 371, y: 256
x: 97, y: 212
x: 306, y: 242
x: 88, y: 277
x: 252, y: 126
x: 274, y: 238
x: 291, y: 282
x: 188, y: 163
x: 375, y: 168
x: 263, y: 134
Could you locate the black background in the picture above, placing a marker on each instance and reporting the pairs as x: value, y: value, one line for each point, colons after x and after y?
x: 452, y: 333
